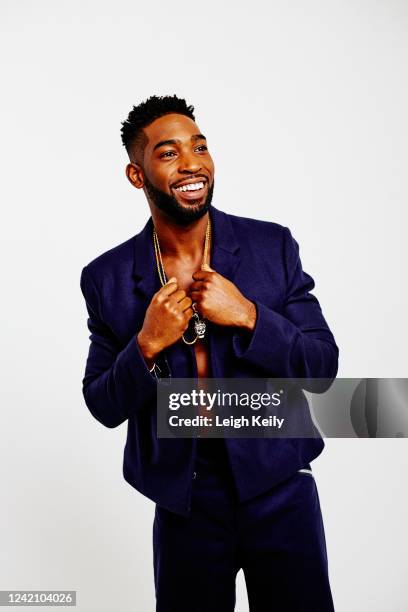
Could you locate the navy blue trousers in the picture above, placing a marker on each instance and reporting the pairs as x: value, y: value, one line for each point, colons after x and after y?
x: 277, y: 538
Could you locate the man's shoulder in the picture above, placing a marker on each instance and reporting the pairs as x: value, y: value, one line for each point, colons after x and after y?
x: 115, y: 258
x: 245, y: 226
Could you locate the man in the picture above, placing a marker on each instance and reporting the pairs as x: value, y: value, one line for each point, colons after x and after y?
x: 201, y: 293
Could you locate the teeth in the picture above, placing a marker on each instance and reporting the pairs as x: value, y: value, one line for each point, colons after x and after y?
x: 191, y: 187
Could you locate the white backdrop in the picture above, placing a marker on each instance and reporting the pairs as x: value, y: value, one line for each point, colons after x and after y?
x: 304, y: 106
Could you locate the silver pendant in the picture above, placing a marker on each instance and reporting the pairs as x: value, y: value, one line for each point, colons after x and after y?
x: 199, y: 326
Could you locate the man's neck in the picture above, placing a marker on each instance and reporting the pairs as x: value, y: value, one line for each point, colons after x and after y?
x: 180, y: 241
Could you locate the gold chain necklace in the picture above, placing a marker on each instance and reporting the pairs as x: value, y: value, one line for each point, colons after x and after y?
x: 199, y: 324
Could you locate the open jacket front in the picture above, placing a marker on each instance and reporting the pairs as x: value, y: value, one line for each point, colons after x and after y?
x: 291, y: 339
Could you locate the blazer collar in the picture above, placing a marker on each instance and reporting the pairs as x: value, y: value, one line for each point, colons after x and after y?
x: 224, y: 252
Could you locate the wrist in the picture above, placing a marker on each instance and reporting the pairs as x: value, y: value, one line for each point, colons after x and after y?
x: 248, y: 320
x: 149, y: 351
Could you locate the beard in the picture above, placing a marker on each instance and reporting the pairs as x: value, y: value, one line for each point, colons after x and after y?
x: 183, y: 215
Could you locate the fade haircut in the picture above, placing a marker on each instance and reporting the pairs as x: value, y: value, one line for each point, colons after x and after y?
x: 133, y: 137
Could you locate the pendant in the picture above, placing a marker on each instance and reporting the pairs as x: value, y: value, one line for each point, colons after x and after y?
x: 199, y: 326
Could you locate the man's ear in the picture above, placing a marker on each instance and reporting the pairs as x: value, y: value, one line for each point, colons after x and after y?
x: 135, y: 175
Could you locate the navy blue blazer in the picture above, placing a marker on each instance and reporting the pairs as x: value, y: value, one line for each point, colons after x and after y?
x: 291, y: 339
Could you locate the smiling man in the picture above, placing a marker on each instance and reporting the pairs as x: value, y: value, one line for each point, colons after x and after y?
x: 201, y: 293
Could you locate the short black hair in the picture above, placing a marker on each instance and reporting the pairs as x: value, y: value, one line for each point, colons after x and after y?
x: 148, y: 111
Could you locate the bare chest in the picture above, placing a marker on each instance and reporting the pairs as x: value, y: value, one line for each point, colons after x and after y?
x: 184, y: 277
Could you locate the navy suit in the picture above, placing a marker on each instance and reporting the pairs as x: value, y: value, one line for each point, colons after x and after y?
x: 291, y: 339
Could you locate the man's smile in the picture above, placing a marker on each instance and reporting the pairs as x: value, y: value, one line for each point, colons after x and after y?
x: 191, y: 189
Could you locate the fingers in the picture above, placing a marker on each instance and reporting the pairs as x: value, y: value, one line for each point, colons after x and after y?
x: 186, y: 303
x: 197, y: 286
x: 195, y: 294
x: 202, y: 274
x: 179, y: 295
x: 169, y: 288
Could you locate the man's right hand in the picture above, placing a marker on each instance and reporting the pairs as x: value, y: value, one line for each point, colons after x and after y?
x: 166, y: 319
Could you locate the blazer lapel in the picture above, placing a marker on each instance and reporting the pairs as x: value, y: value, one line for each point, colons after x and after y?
x: 225, y: 258
x: 144, y: 265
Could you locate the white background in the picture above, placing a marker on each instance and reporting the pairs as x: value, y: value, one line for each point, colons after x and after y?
x: 305, y: 108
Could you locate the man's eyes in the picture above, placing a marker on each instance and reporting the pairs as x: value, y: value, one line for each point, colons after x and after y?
x: 168, y: 154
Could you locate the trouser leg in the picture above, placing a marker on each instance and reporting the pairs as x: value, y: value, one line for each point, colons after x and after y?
x: 195, y: 557
x: 283, y: 549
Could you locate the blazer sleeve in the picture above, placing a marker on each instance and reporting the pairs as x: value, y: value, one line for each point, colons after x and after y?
x: 117, y: 381
x: 296, y: 343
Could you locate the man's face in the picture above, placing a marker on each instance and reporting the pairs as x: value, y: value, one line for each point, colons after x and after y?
x: 178, y: 169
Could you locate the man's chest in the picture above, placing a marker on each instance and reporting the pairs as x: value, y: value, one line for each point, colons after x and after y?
x: 182, y: 271
x: 184, y: 275
x: 125, y: 299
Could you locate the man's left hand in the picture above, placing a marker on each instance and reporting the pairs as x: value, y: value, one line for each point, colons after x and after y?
x: 220, y: 301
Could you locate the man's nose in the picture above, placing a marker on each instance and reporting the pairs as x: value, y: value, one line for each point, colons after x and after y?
x: 188, y: 163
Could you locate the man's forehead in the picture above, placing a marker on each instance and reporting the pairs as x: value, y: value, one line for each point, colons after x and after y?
x: 171, y: 126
